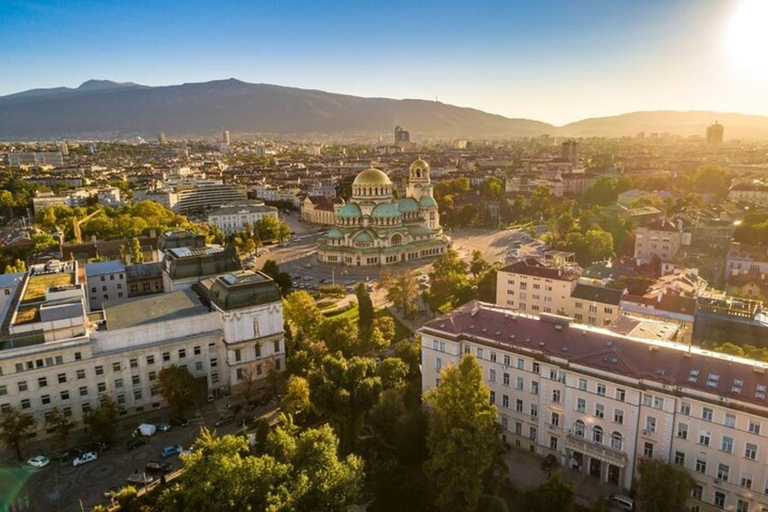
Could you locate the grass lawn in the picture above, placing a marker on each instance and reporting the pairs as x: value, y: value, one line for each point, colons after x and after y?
x: 353, y: 314
x: 39, y: 284
x: 28, y: 314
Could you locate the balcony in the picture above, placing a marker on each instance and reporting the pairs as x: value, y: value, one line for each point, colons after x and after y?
x: 593, y: 449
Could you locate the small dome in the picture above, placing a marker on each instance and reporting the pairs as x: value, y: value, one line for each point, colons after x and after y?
x: 427, y: 202
x: 334, y: 233
x: 385, y: 210
x: 407, y: 204
x: 350, y: 210
x: 420, y: 164
x: 364, y: 237
x: 372, y: 177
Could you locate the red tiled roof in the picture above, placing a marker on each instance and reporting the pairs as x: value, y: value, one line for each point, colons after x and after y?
x: 694, y: 369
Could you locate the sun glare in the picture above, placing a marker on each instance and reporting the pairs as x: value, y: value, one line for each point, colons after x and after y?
x: 747, y: 38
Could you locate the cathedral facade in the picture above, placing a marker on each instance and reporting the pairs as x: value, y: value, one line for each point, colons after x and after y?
x: 374, y: 228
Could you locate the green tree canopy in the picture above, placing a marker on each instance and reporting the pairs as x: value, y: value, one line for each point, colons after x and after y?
x: 663, y: 487
x: 176, y: 385
x: 463, y: 435
x: 302, y: 314
x: 102, y: 421
x: 15, y: 426
x: 365, y: 307
x: 296, y: 396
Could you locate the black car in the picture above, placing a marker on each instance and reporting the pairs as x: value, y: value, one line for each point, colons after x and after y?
x: 60, y: 456
x: 96, y: 446
x: 178, y: 421
x: 157, y: 466
x: 135, y: 442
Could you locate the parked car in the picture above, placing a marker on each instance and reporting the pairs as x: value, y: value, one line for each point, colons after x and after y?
x: 140, y: 479
x: 85, y: 458
x: 146, y: 429
x: 171, y: 449
x: 163, y: 427
x: 178, y: 421
x: 158, y: 466
x: 60, y: 456
x: 39, y: 461
x: 96, y: 446
x: 225, y: 420
x: 135, y: 442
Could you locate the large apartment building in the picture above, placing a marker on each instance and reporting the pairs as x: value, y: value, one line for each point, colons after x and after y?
x: 224, y: 329
x: 233, y: 218
x: 600, y: 401
x: 662, y: 239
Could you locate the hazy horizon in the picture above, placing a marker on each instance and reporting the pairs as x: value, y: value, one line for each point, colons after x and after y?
x: 555, y: 61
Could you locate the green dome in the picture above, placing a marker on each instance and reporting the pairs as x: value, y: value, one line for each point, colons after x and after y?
x: 372, y: 177
x: 427, y: 202
x: 349, y: 210
x: 334, y: 233
x: 408, y: 204
x: 363, y: 237
x: 385, y: 210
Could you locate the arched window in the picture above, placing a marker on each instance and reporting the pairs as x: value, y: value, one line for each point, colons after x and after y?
x: 578, y: 428
x: 597, y: 435
x: 616, y: 441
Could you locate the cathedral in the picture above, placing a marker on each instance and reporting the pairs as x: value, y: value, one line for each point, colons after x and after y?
x: 373, y: 228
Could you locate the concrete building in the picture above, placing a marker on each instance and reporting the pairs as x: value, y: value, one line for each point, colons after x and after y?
x: 105, y: 281
x: 570, y: 151
x: 743, y: 258
x: 187, y: 259
x: 201, y: 198
x: 233, y: 218
x: 54, y: 159
x: 144, y: 279
x: 599, y: 402
x: 730, y: 319
x: 320, y: 210
x: 401, y: 135
x: 534, y: 286
x: 594, y: 305
x: 754, y: 192
x: 110, y: 196
x: 662, y: 239
x: 227, y: 331
x: 375, y: 229
x: 715, y: 134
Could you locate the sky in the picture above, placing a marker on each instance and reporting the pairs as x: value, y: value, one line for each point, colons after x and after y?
x: 556, y: 61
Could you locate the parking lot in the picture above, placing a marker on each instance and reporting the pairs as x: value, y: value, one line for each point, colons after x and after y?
x: 62, y: 487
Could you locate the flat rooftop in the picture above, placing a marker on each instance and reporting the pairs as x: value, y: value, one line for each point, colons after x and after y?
x: 153, y: 308
x: 39, y: 283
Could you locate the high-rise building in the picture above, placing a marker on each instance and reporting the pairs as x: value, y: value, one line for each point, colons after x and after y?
x: 63, y: 148
x: 401, y: 135
x: 571, y: 151
x: 715, y: 134
x: 161, y: 138
x: 225, y: 138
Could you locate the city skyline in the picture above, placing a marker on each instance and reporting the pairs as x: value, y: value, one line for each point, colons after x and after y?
x: 552, y: 62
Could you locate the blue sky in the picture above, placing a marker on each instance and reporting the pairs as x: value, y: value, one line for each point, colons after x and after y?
x: 556, y: 61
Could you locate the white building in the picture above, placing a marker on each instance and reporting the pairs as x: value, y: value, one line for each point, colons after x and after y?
x: 232, y: 218
x: 600, y: 401
x: 226, y: 330
x: 105, y: 281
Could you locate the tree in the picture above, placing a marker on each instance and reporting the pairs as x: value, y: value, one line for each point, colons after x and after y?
x: 102, y: 421
x: 60, y: 424
x: 463, y: 435
x: 176, y: 385
x: 365, y: 306
x: 553, y: 496
x: 393, y: 372
x: 663, y: 487
x: 339, y: 335
x: 282, y: 279
x: 137, y: 255
x: 15, y: 426
x: 402, y: 289
x: 450, y: 283
x: 7, y: 201
x: 297, y: 472
x: 18, y: 266
x: 386, y: 326
x: 345, y: 389
x: 386, y: 414
x: 301, y: 313
x: 296, y: 397
x: 478, y: 265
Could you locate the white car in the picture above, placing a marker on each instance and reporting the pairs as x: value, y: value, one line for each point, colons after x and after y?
x: 85, y: 458
x: 39, y: 461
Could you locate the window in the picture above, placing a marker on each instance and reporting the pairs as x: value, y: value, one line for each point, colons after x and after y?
x: 493, y: 354
x: 650, y: 424
x: 214, y: 362
x: 583, y: 384
x: 505, y: 401
x: 519, y: 405
x: 518, y: 428
x: 578, y: 428
x: 507, y: 360
x: 22, y: 386
x: 658, y: 403
x: 726, y: 444
x: 552, y: 442
x: 25, y: 404
x: 556, y: 396
x: 152, y: 376
x: 3, y: 390
x: 750, y: 451
x: 706, y: 414
x: 150, y: 360
x: 719, y: 499
x: 137, y: 394
x: 697, y: 492
x: 704, y: 436
x: 620, y: 395
x: 196, y: 350
x: 597, y: 435
x: 101, y: 387
x: 535, y: 387
x: 493, y: 397
x: 166, y: 356
x: 479, y: 353
x: 730, y: 421
x: 84, y: 391
x: 492, y: 375
x: 80, y: 374
x: 648, y: 449
x: 238, y: 355
x: 742, y: 506
x: 99, y: 370
x: 42, y: 382
x: 685, y: 408
x: 45, y: 399
x: 62, y: 378
x: 121, y: 399
x: 555, y: 419
x: 618, y: 416
x: 65, y: 395
x: 746, y: 480
x: 521, y: 364
x: 505, y: 379
x: 601, y: 389
x: 182, y: 353
x: 134, y: 362
x: 199, y: 365
x: 616, y: 441
x: 600, y: 410
x: 682, y: 431
x: 118, y: 383
x: 532, y: 433
x: 536, y: 368
x: 136, y: 380
x: 723, y: 470
x: 680, y: 458
x: 520, y: 384
x: 581, y: 405
x: 754, y: 427
x: 534, y: 411
x: 116, y: 366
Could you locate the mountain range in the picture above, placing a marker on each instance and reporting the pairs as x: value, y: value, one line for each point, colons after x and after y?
x: 104, y: 109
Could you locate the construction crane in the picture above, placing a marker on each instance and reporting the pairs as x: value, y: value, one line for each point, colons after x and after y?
x: 76, y: 225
